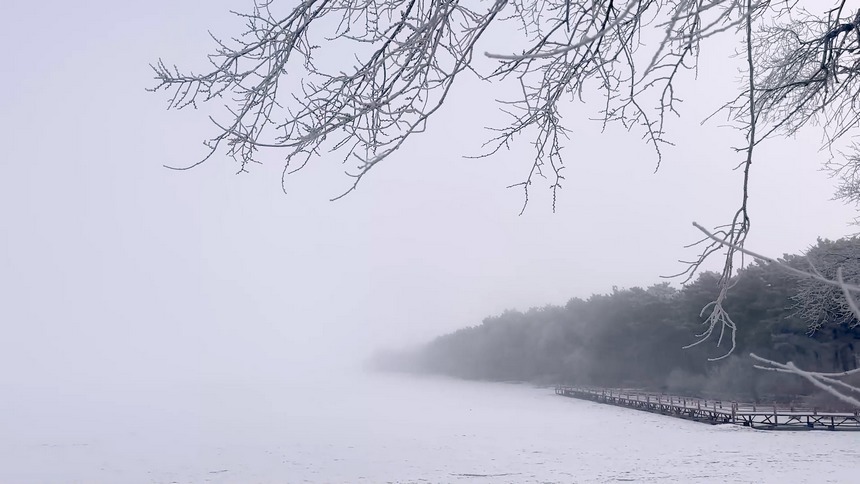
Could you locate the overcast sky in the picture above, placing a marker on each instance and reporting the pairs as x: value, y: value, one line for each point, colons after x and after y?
x: 114, y: 268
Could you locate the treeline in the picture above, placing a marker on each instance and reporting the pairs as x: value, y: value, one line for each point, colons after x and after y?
x: 635, y: 338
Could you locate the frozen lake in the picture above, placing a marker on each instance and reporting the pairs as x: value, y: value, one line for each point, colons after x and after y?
x: 385, y: 428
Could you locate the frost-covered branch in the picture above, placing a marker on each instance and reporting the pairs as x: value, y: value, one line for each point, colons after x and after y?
x: 409, y: 53
x: 823, y: 300
x: 800, y: 71
x: 829, y: 382
x: 792, y: 270
x: 733, y: 235
x: 598, y: 46
x: 403, y: 57
x: 824, y: 381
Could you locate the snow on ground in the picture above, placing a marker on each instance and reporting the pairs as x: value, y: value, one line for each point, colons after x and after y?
x: 384, y: 428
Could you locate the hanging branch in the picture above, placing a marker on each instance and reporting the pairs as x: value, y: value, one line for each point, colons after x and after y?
x: 829, y: 382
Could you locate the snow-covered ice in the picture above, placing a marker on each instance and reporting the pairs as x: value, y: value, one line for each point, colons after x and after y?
x: 386, y: 428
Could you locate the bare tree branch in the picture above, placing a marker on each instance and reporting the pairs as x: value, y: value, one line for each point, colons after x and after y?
x: 829, y: 382
x: 822, y: 381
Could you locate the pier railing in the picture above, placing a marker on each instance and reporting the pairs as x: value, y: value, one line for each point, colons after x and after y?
x: 768, y: 417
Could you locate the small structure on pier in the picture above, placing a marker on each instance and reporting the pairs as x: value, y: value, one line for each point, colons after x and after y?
x: 765, y: 417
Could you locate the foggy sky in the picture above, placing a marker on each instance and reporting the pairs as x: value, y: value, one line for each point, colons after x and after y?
x: 113, y: 268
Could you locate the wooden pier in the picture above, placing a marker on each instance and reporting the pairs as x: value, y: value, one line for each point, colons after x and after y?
x: 764, y: 417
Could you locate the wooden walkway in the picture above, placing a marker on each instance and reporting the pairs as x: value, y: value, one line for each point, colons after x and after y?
x: 765, y: 417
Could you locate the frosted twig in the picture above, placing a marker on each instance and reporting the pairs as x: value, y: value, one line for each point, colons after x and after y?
x: 584, y: 41
x: 819, y: 380
x: 778, y: 263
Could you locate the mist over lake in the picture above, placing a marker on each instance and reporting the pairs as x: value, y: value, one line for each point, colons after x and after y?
x: 363, y: 427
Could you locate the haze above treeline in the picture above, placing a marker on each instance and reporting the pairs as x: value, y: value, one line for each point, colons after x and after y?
x: 635, y: 338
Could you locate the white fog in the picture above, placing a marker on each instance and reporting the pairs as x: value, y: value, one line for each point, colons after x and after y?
x: 372, y: 428
x: 162, y: 326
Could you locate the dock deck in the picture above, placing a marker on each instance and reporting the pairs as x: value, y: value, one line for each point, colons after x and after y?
x: 764, y: 417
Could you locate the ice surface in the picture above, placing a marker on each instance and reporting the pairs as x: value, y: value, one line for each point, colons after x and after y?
x: 386, y: 428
